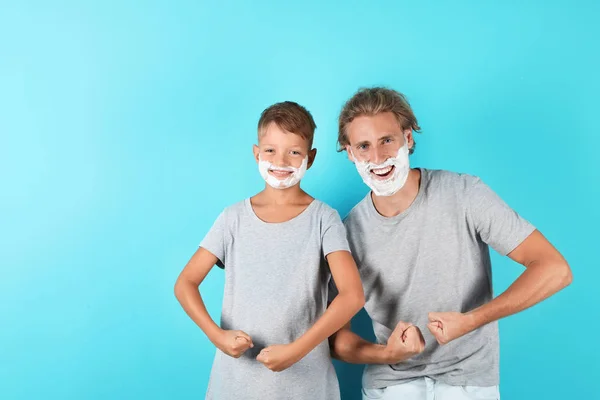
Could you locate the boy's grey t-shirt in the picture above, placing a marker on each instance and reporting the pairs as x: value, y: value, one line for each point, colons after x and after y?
x: 276, y: 283
x: 434, y: 257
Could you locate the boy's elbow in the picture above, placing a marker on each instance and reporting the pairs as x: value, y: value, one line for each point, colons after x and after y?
x: 359, y: 300
x: 355, y: 300
x: 179, y: 288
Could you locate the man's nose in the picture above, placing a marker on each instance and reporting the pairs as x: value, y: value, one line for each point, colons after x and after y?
x: 380, y: 156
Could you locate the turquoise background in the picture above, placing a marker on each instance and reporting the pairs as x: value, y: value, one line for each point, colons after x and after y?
x: 126, y: 127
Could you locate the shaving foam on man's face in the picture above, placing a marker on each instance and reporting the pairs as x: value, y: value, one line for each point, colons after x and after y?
x: 387, y: 178
x: 376, y: 138
x: 282, y: 157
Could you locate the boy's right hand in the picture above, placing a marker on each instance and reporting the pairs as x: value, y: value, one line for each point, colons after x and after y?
x: 235, y: 343
x: 405, y: 342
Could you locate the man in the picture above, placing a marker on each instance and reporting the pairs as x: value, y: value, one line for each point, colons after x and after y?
x: 420, y: 239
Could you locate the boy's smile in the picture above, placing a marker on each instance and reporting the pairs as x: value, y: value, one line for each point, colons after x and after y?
x: 280, y: 173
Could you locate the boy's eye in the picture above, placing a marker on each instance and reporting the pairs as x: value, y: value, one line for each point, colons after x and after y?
x: 295, y: 152
x: 268, y: 150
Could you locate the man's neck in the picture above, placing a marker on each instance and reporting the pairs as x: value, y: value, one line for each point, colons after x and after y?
x: 390, y: 206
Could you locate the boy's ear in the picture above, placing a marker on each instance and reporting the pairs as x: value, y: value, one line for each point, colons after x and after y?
x: 256, y: 152
x: 311, y: 158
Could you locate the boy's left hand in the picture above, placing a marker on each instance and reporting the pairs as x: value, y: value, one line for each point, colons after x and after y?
x: 447, y: 326
x: 279, y: 356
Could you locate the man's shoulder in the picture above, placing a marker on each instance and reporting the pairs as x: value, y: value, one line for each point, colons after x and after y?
x: 457, y: 181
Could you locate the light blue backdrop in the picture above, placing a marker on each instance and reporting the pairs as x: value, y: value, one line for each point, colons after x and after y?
x: 127, y: 126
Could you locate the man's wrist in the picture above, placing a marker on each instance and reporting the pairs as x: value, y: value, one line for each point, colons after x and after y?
x: 474, y: 319
x: 384, y: 355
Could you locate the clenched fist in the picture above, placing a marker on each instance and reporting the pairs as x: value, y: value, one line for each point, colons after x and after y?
x: 279, y: 357
x: 405, y: 342
x: 235, y: 343
x: 447, y: 326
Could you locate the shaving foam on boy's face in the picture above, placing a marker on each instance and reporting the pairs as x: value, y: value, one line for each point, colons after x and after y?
x: 281, y: 177
x: 282, y: 157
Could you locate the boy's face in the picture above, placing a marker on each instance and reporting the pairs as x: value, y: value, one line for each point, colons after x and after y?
x: 283, y: 149
x: 375, y: 138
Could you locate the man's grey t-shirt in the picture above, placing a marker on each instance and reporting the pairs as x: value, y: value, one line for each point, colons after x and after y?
x: 276, y: 282
x: 434, y: 257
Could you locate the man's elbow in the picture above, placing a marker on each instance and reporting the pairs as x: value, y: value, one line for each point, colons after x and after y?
x: 341, y: 345
x: 564, y: 275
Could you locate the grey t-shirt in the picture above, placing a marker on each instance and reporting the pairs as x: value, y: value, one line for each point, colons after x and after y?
x: 434, y: 257
x: 276, y: 283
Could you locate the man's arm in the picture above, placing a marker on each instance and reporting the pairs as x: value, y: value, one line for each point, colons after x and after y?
x: 546, y: 273
x: 405, y: 341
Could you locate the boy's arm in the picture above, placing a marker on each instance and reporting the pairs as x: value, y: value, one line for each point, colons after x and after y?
x: 233, y: 343
x: 349, y: 301
x: 405, y: 341
x: 345, y: 305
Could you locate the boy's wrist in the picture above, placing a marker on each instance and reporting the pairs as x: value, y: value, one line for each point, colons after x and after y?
x: 300, y: 347
x: 216, y: 336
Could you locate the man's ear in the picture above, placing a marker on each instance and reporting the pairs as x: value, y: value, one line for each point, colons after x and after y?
x: 349, y: 154
x: 256, y: 151
x: 311, y: 158
x: 408, y: 136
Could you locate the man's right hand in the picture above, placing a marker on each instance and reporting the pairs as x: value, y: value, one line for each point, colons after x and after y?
x: 234, y: 343
x: 405, y: 342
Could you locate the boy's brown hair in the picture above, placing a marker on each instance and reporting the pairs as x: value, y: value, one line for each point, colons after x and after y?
x: 291, y: 117
x: 373, y: 101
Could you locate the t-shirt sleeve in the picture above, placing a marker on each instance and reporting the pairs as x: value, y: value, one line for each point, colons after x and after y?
x: 214, y: 241
x: 495, y: 222
x: 334, y: 234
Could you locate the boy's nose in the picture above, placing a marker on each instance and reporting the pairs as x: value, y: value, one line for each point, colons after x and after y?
x: 280, y: 160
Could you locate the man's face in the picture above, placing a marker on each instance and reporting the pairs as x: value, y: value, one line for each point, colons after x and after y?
x: 282, y: 149
x: 374, y: 139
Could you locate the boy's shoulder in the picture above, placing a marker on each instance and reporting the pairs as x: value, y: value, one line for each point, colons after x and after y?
x: 235, y: 208
x: 323, y: 208
x: 233, y: 212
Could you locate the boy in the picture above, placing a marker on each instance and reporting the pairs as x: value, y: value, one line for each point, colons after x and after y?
x: 272, y: 248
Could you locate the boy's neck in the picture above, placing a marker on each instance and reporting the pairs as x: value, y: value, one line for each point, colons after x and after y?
x: 390, y: 206
x: 290, y: 195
